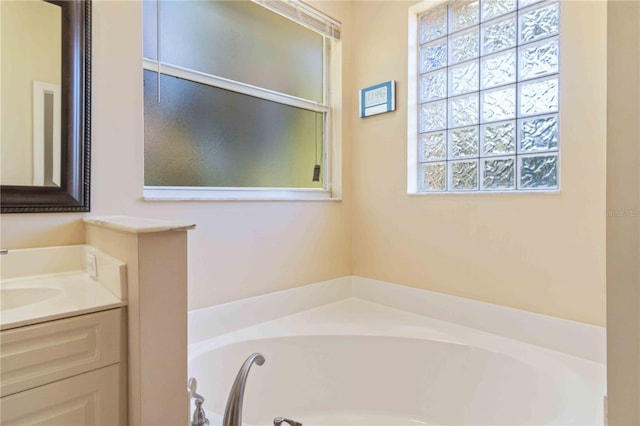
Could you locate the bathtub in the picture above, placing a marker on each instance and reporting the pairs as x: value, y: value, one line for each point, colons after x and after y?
x: 353, y: 362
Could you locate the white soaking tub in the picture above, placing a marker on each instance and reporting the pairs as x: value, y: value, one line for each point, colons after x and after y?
x: 358, y: 363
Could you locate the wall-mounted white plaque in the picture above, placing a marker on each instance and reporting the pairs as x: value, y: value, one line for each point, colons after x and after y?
x: 378, y: 99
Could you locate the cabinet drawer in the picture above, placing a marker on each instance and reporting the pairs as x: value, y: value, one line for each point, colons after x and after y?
x: 42, y: 353
x: 88, y: 399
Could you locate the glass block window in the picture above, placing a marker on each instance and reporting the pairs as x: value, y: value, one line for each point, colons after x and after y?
x: 488, y: 96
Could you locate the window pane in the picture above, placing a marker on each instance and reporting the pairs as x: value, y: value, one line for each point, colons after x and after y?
x: 433, y: 116
x: 239, y: 40
x: 434, y: 176
x: 499, y: 173
x: 525, y: 3
x: 539, y: 96
x: 433, y: 56
x: 499, y: 69
x: 539, y: 134
x: 463, y: 143
x: 498, y: 138
x: 464, y: 46
x: 433, y: 146
x: 462, y: 14
x: 499, y: 104
x: 538, y: 59
x: 463, y: 175
x: 463, y: 78
x: 433, y: 24
x: 205, y: 136
x: 433, y: 86
x: 493, y: 8
x: 499, y: 35
x: 538, y: 172
x: 539, y: 23
x: 463, y: 111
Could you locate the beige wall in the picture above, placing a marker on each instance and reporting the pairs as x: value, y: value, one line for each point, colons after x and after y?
x: 623, y: 221
x: 542, y: 253
x: 239, y: 249
x: 30, y: 46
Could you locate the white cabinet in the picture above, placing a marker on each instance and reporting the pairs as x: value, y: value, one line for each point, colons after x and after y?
x: 65, y: 372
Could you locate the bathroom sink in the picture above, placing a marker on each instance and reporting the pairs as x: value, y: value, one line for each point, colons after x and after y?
x: 18, y: 297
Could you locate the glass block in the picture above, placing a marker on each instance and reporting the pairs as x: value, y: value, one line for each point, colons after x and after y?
x: 463, y: 78
x: 498, y: 138
x: 463, y: 14
x: 463, y: 46
x: 433, y: 86
x: 494, y: 8
x: 433, y: 116
x: 538, y: 96
x: 433, y: 146
x: 538, y: 134
x: 463, y: 175
x: 433, y: 56
x: 433, y: 176
x: 539, y: 59
x: 499, y: 35
x: 525, y: 3
x: 463, y: 111
x: 539, y: 23
x: 433, y: 24
x: 538, y: 171
x: 499, y: 104
x: 498, y: 69
x: 498, y: 173
x: 463, y: 143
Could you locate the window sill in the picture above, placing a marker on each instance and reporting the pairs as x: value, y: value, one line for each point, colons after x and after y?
x: 527, y: 192
x: 188, y: 193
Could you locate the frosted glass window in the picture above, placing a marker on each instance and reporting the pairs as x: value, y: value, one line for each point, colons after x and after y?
x: 236, y: 95
x: 239, y: 40
x: 489, y: 96
x: 194, y: 137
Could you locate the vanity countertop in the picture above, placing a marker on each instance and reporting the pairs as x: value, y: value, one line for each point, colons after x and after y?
x: 40, y: 298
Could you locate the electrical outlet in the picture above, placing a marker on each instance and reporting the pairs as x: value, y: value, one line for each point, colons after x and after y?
x: 92, y: 265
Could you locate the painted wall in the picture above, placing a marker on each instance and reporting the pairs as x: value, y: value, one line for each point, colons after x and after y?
x: 623, y: 219
x: 239, y: 249
x: 31, y: 46
x: 541, y: 253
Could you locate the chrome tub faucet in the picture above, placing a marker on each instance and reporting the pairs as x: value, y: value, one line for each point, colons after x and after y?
x: 233, y: 411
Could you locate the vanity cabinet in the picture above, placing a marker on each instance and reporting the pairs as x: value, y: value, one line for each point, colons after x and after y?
x: 65, y: 372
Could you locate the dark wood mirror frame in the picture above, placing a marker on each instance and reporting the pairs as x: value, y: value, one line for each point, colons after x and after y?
x: 73, y: 193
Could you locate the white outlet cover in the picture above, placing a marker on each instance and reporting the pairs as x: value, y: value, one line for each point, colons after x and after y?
x: 92, y: 265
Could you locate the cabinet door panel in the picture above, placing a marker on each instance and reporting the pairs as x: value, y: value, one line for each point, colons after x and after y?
x: 38, y: 354
x: 88, y: 399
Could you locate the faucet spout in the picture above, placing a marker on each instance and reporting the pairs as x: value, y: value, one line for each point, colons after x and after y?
x: 233, y: 410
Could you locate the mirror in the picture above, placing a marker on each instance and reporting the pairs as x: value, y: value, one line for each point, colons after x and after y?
x: 45, y: 105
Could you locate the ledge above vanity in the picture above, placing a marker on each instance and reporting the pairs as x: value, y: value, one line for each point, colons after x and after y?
x: 44, y: 284
x: 137, y: 225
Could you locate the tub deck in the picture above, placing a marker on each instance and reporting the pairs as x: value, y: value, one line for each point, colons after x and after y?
x: 582, y: 380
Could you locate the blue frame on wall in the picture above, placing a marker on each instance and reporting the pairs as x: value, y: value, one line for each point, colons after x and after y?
x: 378, y: 99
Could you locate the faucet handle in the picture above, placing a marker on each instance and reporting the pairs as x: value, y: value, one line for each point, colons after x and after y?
x: 199, y: 418
x: 279, y: 420
x: 192, y: 385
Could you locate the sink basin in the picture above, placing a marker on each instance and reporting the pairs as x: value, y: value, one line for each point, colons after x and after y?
x: 18, y: 297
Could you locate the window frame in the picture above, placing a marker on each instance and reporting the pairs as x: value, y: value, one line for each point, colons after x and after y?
x: 413, y: 105
x: 331, y: 106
